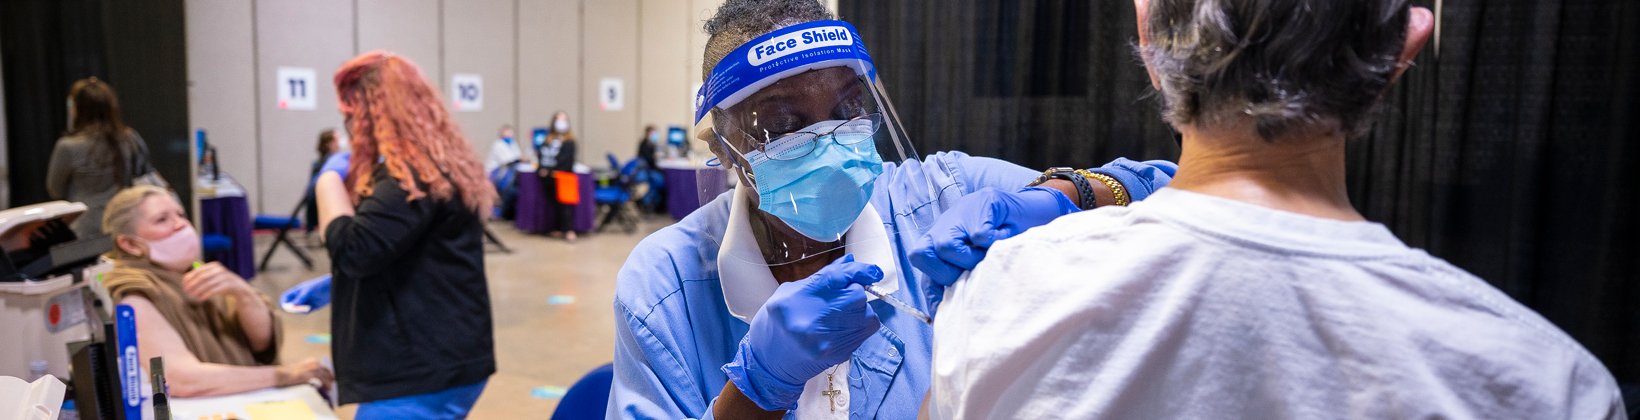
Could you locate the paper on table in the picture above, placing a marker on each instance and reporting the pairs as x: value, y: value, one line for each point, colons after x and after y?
x: 280, y: 410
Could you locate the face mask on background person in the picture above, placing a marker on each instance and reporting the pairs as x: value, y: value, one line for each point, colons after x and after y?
x: 176, y: 252
x: 560, y: 125
x: 507, y: 139
x: 819, y: 184
x: 343, y: 142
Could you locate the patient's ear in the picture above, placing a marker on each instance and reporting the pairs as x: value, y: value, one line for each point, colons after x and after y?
x: 1141, y: 9
x: 1420, y: 26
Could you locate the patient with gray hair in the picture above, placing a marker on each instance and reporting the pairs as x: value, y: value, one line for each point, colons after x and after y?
x: 1257, y: 290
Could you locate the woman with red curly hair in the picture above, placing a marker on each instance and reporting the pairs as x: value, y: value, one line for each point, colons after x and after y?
x: 412, y: 328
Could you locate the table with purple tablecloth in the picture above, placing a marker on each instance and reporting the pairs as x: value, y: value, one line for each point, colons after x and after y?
x: 684, y: 190
x: 533, y: 216
x: 231, y: 217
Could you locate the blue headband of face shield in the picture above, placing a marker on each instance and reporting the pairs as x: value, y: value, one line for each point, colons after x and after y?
x: 783, y: 53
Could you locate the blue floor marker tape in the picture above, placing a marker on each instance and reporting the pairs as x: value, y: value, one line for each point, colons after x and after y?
x: 548, y: 392
x: 560, y: 299
x: 318, y: 339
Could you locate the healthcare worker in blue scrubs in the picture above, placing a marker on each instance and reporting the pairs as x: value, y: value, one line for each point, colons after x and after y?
x: 754, y: 306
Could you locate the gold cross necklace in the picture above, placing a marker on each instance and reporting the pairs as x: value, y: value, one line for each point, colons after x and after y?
x: 831, y: 391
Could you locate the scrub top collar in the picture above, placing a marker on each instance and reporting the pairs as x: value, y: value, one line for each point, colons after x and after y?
x: 745, y: 276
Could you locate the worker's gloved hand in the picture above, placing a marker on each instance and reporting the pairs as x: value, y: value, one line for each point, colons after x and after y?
x: 306, y: 297
x: 960, y: 236
x: 1140, y: 179
x: 806, y: 327
x: 337, y: 162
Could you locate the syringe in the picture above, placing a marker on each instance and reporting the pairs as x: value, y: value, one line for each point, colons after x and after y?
x: 897, y: 303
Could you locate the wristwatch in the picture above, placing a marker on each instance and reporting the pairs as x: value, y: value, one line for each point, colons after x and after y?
x: 1084, y: 190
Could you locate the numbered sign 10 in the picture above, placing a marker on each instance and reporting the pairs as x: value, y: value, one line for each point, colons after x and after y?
x: 466, y: 92
x: 296, y: 88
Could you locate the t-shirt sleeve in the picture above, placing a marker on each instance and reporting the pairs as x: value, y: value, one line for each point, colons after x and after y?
x: 382, y: 227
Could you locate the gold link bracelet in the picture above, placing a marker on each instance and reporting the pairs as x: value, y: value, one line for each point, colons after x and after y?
x: 1116, y: 189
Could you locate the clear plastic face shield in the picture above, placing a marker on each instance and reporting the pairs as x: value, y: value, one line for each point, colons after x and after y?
x: 801, y: 129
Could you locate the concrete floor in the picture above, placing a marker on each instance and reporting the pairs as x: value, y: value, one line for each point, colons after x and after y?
x: 537, y: 343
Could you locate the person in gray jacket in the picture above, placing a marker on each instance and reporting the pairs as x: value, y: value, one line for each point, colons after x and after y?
x: 97, y: 157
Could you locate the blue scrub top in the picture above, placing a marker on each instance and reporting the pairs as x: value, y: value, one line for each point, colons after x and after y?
x: 674, y: 332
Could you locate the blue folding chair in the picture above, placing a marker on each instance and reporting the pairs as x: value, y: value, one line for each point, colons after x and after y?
x: 589, y: 397
x: 283, y: 225
x: 616, y: 198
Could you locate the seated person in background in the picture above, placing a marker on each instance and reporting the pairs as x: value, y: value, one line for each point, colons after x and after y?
x: 328, y: 146
x: 1254, y: 289
x: 216, y: 334
x: 646, y: 146
x: 650, y: 171
x: 504, y: 153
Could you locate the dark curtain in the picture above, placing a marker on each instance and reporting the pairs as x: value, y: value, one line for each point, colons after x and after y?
x: 148, y: 63
x: 138, y: 47
x: 47, y: 45
x: 1041, y: 83
x: 1509, y: 154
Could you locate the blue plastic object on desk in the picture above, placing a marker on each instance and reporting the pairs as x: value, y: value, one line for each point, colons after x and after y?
x: 306, y: 297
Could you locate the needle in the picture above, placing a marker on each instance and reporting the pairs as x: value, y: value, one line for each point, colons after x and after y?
x: 897, y: 303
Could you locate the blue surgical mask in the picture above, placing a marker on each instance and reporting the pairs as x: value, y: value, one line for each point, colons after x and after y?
x: 821, y: 193
x: 507, y: 139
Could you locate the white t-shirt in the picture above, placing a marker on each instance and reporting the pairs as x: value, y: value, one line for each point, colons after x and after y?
x: 501, y: 153
x: 1192, y: 306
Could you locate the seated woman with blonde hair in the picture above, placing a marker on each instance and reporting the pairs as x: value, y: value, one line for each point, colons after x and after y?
x: 216, y: 334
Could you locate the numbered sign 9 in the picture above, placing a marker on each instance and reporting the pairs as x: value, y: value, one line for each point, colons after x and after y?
x: 296, y: 88
x: 466, y: 92
x: 611, y: 94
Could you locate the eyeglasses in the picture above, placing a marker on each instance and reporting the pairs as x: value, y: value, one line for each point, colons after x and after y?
x: 796, y: 145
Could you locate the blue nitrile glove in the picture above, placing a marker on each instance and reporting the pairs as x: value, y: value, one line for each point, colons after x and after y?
x: 958, y: 239
x: 307, y: 296
x: 960, y: 236
x: 807, y: 326
x: 1140, y: 179
x: 336, y: 163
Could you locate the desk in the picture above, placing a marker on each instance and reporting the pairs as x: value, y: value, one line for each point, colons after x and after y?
x: 683, y: 187
x: 242, y: 405
x: 532, y: 214
x: 224, y: 210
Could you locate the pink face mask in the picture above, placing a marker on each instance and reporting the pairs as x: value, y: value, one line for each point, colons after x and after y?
x: 176, y: 252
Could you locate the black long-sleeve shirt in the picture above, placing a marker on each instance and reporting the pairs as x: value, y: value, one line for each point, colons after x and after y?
x: 412, y: 307
x: 564, y: 160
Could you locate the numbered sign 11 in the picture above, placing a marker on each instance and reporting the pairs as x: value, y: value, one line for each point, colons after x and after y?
x: 296, y: 88
x: 466, y: 92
